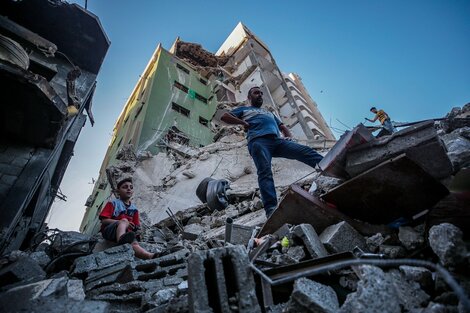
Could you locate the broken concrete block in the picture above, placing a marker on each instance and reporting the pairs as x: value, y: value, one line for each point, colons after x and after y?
x: 342, y: 237
x: 222, y: 278
x: 373, y: 242
x: 446, y: 241
x: 24, y: 270
x: 375, y: 293
x: 334, y: 162
x: 421, y: 275
x: 182, y: 287
x: 41, y: 258
x: 410, y: 238
x: 189, y: 174
x: 409, y: 293
x: 298, y: 206
x: 297, y: 253
x: 192, y: 231
x: 120, y: 273
x: 164, y: 295
x: 67, y: 239
x: 75, y: 290
x: 419, y: 142
x: 116, y: 255
x: 310, y: 296
x: 392, y: 252
x: 395, y: 188
x: 310, y: 239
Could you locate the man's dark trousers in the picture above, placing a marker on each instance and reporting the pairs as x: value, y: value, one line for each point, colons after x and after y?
x: 263, y: 149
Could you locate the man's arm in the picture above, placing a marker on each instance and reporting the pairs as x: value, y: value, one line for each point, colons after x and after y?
x: 372, y: 121
x: 285, y: 131
x: 232, y: 119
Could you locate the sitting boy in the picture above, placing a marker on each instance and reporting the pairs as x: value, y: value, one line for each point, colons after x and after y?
x: 120, y: 220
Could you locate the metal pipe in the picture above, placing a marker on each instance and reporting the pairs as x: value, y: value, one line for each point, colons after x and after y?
x: 228, y: 229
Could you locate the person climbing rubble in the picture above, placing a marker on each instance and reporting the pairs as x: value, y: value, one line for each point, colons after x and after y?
x: 120, y: 220
x: 264, y: 142
x: 384, y: 119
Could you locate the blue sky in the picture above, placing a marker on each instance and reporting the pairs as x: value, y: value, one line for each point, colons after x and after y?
x: 411, y: 58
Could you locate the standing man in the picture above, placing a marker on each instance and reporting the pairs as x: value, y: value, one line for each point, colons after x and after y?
x: 264, y: 142
x: 384, y: 120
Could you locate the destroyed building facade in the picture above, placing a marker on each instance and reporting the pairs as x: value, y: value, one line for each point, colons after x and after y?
x: 50, y: 55
x: 178, y: 99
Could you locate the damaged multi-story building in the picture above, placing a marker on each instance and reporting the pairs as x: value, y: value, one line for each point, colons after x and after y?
x: 50, y: 55
x: 177, y: 100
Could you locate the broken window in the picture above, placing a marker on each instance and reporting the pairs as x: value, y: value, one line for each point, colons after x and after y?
x: 138, y: 111
x: 200, y: 98
x: 119, y: 143
x: 203, y: 121
x: 181, y: 86
x: 177, y: 136
x: 178, y: 108
x: 203, y: 81
x: 181, y: 67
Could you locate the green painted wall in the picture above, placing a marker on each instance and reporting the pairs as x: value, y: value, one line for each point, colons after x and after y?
x: 149, y: 114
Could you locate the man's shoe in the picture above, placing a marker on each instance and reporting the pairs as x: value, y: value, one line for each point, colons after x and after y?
x: 269, y: 212
x: 128, y: 237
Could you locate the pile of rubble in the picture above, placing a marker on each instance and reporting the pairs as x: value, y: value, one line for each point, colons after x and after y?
x: 386, y: 231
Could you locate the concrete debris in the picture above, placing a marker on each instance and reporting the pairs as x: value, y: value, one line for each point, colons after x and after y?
x: 199, y: 268
x: 458, y: 147
x: 23, y: 270
x: 310, y: 239
x: 447, y: 243
x: 410, y: 238
x: 373, y: 242
x: 420, y: 275
x: 310, y: 296
x: 342, y: 237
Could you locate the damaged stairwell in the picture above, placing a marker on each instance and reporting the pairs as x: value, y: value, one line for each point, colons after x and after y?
x: 354, y: 243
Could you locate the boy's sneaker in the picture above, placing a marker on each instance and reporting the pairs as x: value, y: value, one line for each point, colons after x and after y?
x: 128, y: 237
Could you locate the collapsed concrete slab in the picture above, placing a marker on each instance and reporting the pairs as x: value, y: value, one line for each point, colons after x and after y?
x: 395, y: 188
x: 219, y: 279
x: 101, y: 260
x: 298, y: 206
x: 333, y: 164
x: 419, y: 142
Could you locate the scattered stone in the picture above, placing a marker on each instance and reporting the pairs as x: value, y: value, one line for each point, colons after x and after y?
x: 189, y: 174
x: 41, y: 258
x: 310, y: 239
x: 297, y: 253
x: 348, y: 280
x: 421, y: 275
x: 392, y: 252
x: 410, y: 238
x: 192, y: 231
x: 182, y: 287
x: 373, y: 242
x: 204, y: 156
x: 342, y: 237
x: 163, y: 296
x: 310, y: 296
x: 23, y: 271
x: 194, y: 220
x: 375, y: 293
x: 409, y: 293
x: 446, y: 241
x: 257, y: 203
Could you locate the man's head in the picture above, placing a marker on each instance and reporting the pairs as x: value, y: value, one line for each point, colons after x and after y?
x: 255, y: 95
x: 373, y: 110
x: 125, y: 189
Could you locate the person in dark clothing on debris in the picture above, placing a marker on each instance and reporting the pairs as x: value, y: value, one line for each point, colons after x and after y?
x: 120, y: 220
x: 265, y: 142
x: 384, y: 119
